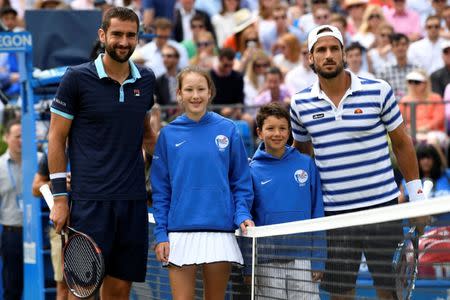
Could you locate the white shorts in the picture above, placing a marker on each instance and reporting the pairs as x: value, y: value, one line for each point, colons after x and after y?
x: 193, y: 248
x: 286, y: 280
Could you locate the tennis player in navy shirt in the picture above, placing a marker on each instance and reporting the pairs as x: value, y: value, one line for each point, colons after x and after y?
x: 102, y: 107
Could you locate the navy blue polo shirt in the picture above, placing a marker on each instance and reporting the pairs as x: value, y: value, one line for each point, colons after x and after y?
x: 105, y: 139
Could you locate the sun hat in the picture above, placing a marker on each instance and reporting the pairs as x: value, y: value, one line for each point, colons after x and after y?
x: 415, y: 76
x: 243, y: 18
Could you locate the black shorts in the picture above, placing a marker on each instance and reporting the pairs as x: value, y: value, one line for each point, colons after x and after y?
x: 346, y: 245
x: 120, y: 229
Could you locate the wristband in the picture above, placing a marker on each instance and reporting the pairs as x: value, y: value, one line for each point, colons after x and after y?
x: 415, y: 190
x: 59, y: 184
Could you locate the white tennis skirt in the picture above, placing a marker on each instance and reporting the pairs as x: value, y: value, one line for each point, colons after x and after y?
x: 193, y: 248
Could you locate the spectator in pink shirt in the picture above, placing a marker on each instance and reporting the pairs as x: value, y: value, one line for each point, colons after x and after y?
x: 275, y: 90
x: 404, y: 20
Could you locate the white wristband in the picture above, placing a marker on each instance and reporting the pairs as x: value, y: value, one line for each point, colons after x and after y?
x: 58, y: 175
x: 415, y: 190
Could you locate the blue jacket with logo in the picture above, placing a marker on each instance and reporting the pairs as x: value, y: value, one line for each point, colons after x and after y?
x: 200, y: 177
x: 288, y: 189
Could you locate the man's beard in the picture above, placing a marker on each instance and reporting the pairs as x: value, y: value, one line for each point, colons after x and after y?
x: 330, y: 74
x: 113, y: 54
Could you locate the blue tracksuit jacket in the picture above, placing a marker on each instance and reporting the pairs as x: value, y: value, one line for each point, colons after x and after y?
x: 200, y: 177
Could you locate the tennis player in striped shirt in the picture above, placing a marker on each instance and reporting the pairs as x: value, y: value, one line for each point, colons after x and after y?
x: 346, y: 121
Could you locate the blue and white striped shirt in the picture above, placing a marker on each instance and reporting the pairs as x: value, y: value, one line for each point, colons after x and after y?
x: 350, y: 141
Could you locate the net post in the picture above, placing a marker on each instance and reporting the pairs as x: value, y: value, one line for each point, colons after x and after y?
x: 253, y: 267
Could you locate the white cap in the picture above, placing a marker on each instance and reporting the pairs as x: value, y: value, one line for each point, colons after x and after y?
x: 313, y: 36
x: 416, y: 76
x: 445, y: 44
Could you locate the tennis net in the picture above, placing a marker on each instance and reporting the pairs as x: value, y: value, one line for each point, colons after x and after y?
x: 394, y: 251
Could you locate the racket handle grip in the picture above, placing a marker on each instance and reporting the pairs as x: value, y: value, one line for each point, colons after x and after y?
x: 47, y: 194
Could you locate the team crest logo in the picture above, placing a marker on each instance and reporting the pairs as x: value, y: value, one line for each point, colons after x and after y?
x: 301, y: 176
x: 137, y: 92
x: 222, y: 142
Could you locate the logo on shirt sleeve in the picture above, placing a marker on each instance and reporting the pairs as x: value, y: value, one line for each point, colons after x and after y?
x: 301, y: 177
x: 222, y: 142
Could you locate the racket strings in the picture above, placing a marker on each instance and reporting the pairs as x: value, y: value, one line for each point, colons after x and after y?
x: 83, y: 266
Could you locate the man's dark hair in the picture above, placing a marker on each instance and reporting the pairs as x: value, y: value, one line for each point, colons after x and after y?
x: 199, y: 18
x: 275, y: 71
x: 429, y: 151
x: 227, y: 53
x: 272, y: 109
x: 355, y: 45
x: 431, y: 17
x: 8, y: 11
x: 121, y: 13
x: 10, y: 124
x: 397, y: 37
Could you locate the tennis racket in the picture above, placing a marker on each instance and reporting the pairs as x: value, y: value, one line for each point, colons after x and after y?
x: 406, y: 257
x: 83, y: 264
x: 404, y: 265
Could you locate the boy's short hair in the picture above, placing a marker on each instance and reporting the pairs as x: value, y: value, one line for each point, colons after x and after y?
x: 11, y: 123
x: 272, y: 109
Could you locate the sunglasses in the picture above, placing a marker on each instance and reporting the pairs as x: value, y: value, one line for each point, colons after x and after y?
x: 203, y: 44
x: 433, y: 26
x: 415, y: 82
x: 169, y: 55
x: 194, y: 26
x: 227, y: 65
x: 324, y: 17
x: 280, y: 18
x: 375, y: 16
x: 251, y: 40
x: 257, y: 66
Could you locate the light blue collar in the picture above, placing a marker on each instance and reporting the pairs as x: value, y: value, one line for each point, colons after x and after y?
x: 101, y: 69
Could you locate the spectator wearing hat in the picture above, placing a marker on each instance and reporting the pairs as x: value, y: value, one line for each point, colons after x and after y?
x: 270, y: 34
x: 426, y: 52
x: 355, y: 10
x: 395, y: 73
x: 441, y: 77
x: 404, y: 20
x: 429, y: 109
x: 182, y: 29
x: 243, y: 20
x: 223, y: 22
x: 82, y: 4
